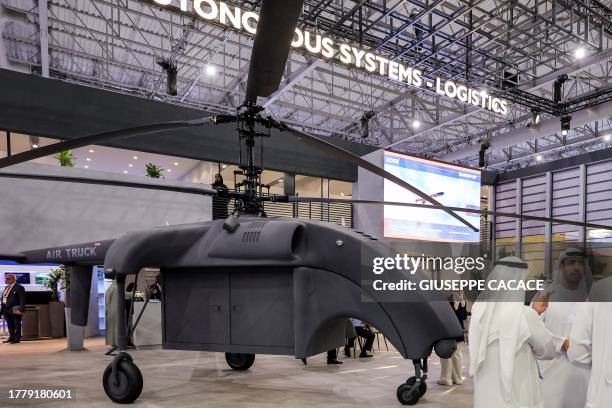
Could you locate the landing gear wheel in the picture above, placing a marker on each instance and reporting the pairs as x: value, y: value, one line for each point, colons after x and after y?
x: 240, y: 361
x: 126, y: 388
x: 407, y: 394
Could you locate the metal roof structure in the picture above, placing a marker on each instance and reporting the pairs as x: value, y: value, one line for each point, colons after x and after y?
x: 513, y: 49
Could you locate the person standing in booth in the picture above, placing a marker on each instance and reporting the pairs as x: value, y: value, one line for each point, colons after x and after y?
x: 220, y: 201
x: 13, y: 307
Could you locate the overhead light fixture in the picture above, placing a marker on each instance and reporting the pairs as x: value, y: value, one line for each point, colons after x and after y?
x: 484, y: 146
x: 135, y: 157
x: 130, y: 165
x: 607, y: 138
x: 176, y: 163
x: 169, y: 170
x: 224, y: 166
x: 92, y: 151
x: 565, y: 124
x: 416, y: 124
x: 535, y: 117
x: 34, y: 142
x: 539, y: 157
x: 364, y: 130
x: 86, y: 166
x: 88, y: 159
x: 558, y: 88
x: 579, y: 52
x: 125, y: 172
x: 211, y: 70
x: 171, y: 73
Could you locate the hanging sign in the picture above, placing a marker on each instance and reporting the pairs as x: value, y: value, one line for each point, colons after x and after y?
x: 326, y: 47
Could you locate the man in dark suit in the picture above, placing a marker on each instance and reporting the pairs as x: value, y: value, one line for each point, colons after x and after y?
x: 13, y: 307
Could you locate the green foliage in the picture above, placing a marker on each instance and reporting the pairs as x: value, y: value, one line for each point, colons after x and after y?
x: 66, y: 158
x: 58, y: 279
x: 154, y: 171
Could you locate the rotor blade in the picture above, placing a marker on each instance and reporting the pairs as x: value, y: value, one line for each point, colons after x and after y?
x: 102, y: 138
x: 295, y: 199
x: 107, y: 182
x: 275, y: 29
x: 340, y: 152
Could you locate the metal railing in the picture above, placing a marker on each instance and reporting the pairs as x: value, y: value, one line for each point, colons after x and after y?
x: 337, y: 213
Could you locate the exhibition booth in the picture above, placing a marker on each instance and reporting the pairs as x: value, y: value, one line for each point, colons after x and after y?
x: 237, y: 203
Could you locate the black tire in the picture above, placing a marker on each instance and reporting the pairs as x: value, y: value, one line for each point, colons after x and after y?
x: 407, y: 395
x: 240, y: 361
x: 130, y: 383
x: 423, y: 388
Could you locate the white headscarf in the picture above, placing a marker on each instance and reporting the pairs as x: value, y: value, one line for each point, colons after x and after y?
x: 498, y: 315
x: 560, y: 292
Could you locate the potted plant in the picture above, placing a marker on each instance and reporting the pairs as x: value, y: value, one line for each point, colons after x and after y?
x: 154, y: 171
x: 66, y: 158
x: 56, y: 281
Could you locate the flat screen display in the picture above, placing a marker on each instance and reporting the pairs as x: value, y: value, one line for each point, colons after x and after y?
x: 450, y: 185
x: 41, y: 277
x: 23, y: 278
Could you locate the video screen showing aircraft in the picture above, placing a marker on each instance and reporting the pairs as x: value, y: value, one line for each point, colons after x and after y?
x: 448, y: 184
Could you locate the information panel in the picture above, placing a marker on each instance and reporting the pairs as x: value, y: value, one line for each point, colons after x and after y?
x: 450, y: 185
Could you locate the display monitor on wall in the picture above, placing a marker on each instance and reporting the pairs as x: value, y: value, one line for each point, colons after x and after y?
x: 450, y: 185
x: 22, y: 278
x: 41, y: 277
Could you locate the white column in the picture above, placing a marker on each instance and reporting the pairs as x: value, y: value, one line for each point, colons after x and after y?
x: 548, y: 227
x: 43, y: 24
x: 582, y: 185
x: 518, y: 226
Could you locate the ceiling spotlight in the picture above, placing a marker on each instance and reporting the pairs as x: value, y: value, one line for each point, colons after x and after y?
x: 416, y: 124
x: 88, y: 159
x: 224, y: 166
x: 176, y: 163
x: 211, y: 70
x: 565, y: 124
x: 535, y: 117
x: 579, y: 53
x: 484, y: 146
x: 125, y: 172
x: 130, y: 165
x: 171, y: 73
x: 169, y: 170
x: 135, y: 157
x: 539, y: 157
x: 558, y: 87
x: 34, y: 142
x: 86, y: 166
x: 607, y: 138
x: 364, y: 130
x: 91, y: 151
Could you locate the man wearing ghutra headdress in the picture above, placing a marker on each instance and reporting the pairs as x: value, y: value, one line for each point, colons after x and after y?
x: 505, y: 339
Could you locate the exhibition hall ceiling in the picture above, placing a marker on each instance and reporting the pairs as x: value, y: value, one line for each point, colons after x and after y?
x: 103, y: 158
x: 509, y: 50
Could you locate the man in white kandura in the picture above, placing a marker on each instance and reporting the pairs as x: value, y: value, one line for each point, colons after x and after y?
x: 505, y: 339
x: 591, y: 343
x: 564, y: 383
